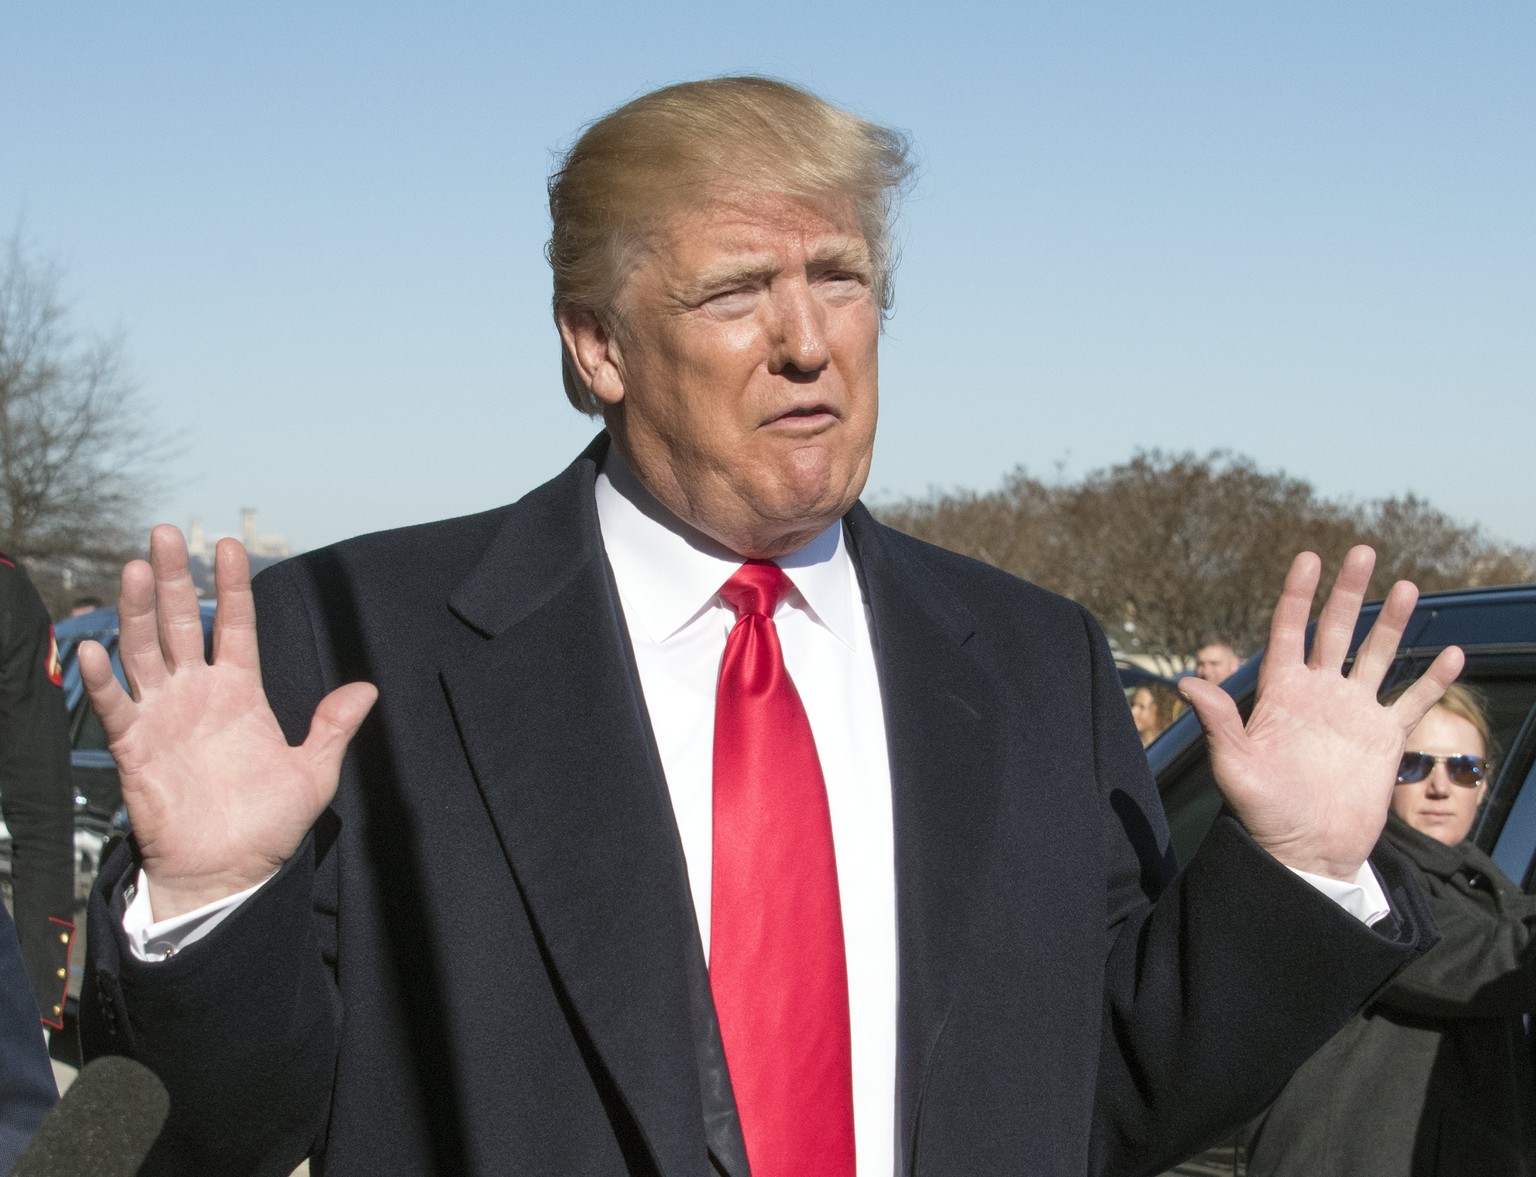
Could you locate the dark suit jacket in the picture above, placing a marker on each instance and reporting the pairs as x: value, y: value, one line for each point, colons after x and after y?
x: 484, y: 960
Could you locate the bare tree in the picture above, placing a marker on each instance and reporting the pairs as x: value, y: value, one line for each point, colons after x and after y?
x: 1171, y: 549
x: 76, y: 459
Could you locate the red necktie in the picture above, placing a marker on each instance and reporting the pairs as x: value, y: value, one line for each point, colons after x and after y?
x: 776, y: 963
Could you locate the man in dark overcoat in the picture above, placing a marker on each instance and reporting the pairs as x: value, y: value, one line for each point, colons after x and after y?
x: 522, y: 923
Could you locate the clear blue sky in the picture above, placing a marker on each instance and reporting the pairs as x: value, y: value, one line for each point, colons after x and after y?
x: 1305, y: 232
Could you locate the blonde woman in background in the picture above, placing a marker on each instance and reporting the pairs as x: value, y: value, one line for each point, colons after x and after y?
x: 1435, y: 1077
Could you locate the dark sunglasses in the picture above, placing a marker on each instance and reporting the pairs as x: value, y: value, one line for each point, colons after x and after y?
x: 1466, y: 771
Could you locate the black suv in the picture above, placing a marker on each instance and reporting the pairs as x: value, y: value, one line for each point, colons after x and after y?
x: 1497, y: 629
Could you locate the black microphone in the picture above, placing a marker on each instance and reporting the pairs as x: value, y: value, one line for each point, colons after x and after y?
x: 103, y: 1127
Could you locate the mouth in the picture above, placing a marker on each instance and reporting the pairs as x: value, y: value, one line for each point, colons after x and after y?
x: 803, y: 418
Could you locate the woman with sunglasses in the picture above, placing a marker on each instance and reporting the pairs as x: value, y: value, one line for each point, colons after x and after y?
x: 1435, y: 1077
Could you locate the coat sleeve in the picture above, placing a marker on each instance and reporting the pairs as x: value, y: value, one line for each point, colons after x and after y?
x: 1219, y: 980
x: 242, y: 1027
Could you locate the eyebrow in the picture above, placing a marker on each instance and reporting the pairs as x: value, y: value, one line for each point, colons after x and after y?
x: 828, y: 255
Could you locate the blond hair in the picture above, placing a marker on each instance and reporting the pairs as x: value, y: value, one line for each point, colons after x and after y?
x: 675, y: 147
x: 1462, y: 701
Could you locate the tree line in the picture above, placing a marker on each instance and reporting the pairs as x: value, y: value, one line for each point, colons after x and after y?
x: 1172, y: 550
x: 78, y: 454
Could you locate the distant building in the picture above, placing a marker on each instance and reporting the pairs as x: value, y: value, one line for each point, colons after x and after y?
x: 262, y: 549
x: 271, y: 547
x: 267, y: 547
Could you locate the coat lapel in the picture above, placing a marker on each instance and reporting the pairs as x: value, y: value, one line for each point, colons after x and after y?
x: 552, y: 719
x: 943, y: 716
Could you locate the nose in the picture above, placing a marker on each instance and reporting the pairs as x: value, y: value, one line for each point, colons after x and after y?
x: 1437, y: 783
x: 800, y: 346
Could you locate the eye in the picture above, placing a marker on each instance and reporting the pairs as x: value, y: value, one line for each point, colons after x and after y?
x: 842, y: 284
x: 738, y: 300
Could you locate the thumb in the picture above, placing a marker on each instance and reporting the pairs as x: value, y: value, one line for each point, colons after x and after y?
x: 336, y: 721
x: 1217, y: 712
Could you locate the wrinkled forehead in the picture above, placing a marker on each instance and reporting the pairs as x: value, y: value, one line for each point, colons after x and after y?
x: 722, y: 230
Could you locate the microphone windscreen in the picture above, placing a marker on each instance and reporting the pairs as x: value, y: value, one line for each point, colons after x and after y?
x: 104, y: 1126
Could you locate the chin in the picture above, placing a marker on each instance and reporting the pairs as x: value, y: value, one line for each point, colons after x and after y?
x: 819, y: 489
x: 812, y: 514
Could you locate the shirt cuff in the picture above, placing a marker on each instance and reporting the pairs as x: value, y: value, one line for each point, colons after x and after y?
x: 1362, y: 896
x: 150, y: 941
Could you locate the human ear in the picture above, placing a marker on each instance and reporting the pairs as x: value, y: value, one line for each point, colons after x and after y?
x: 594, y: 353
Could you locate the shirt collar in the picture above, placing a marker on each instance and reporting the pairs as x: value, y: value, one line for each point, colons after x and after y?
x: 668, y: 573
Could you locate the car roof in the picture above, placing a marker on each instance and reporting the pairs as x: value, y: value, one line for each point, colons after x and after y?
x: 1471, y: 617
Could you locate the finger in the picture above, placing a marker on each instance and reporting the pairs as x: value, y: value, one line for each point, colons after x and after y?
x: 138, y: 642
x: 179, y: 620
x: 113, y: 706
x: 1336, y: 624
x: 234, y: 622
x: 336, y: 721
x: 1376, y: 652
x: 1216, y: 710
x: 1288, y: 626
x: 1414, y: 703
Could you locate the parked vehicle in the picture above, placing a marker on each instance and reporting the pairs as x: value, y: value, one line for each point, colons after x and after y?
x: 1496, y: 627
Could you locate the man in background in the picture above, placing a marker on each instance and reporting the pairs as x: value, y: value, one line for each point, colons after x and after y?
x: 1216, y: 661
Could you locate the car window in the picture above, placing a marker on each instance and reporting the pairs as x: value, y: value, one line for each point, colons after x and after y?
x: 1517, y: 843
x: 1192, y: 802
x: 1514, y: 849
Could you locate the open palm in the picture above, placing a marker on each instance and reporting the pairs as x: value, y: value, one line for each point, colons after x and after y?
x: 217, y: 796
x: 1311, y: 775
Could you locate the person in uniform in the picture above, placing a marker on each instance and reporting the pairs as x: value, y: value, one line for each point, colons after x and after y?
x: 35, y: 793
x: 27, y: 1090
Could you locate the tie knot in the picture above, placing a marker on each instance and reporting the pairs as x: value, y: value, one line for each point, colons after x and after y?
x: 757, y: 587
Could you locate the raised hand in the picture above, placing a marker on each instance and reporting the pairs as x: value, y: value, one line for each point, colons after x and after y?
x: 1311, y: 776
x: 218, y: 798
